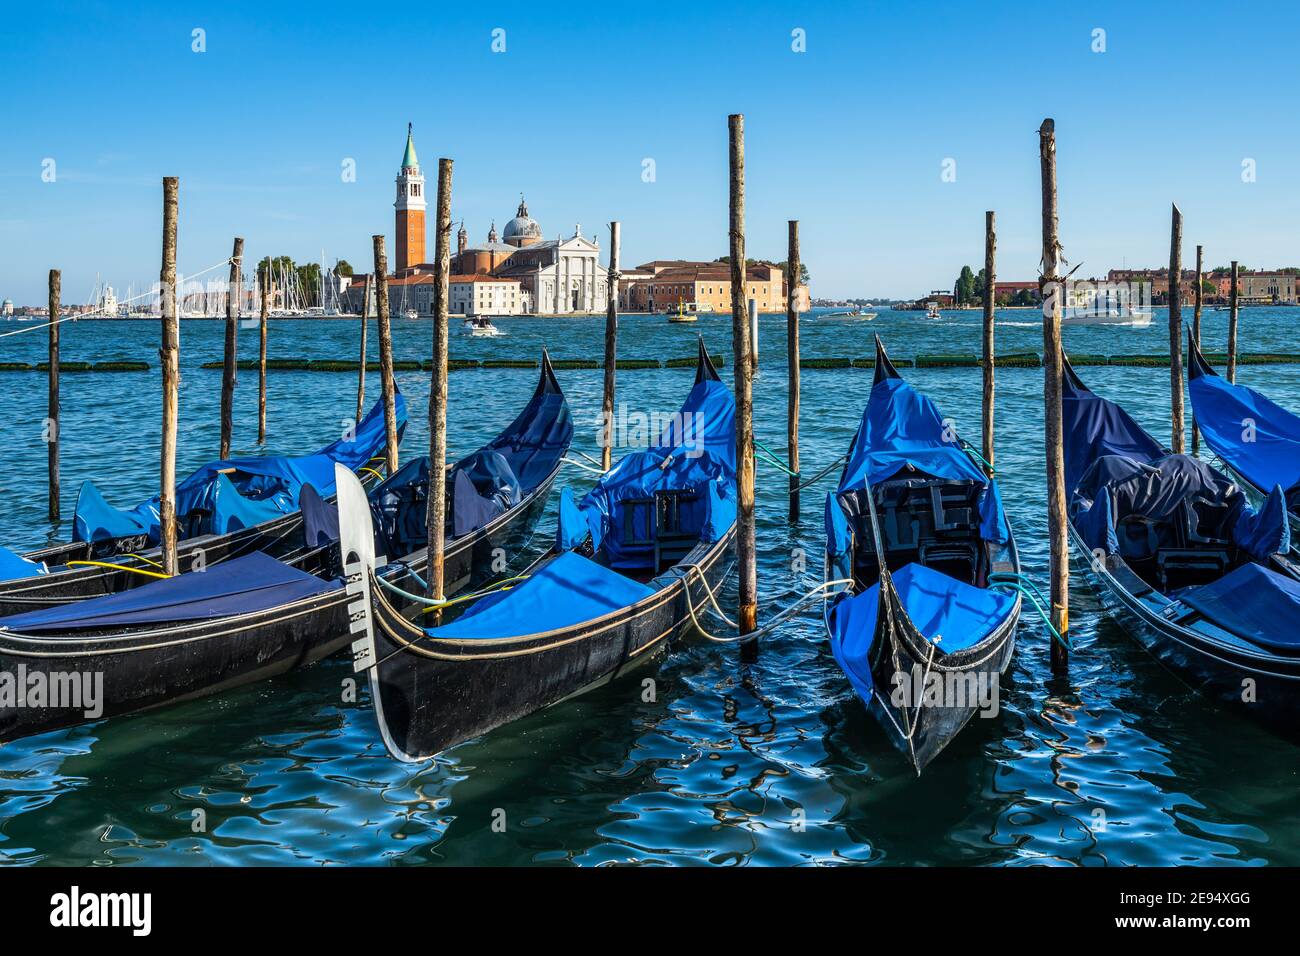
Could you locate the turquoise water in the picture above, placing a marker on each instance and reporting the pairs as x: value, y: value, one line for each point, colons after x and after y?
x: 771, y: 763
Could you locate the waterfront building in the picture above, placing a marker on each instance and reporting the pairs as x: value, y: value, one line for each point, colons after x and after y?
x: 7, y: 308
x: 410, y: 205
x: 481, y: 259
x: 466, y: 295
x: 660, y: 285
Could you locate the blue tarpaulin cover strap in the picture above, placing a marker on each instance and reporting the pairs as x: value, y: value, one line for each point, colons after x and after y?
x: 1094, y: 427
x: 695, y: 456
x: 839, y: 539
x: 938, y: 605
x: 1254, y: 603
x: 225, y: 496
x: 16, y: 566
x: 567, y: 590
x: 1257, y: 437
x: 253, y: 582
x: 903, y: 429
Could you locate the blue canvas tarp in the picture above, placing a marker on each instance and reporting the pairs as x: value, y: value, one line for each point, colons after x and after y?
x: 695, y: 454
x: 1175, y: 497
x: 567, y: 590
x: 1094, y: 427
x: 16, y: 566
x: 1257, y: 437
x: 253, y: 582
x: 1254, y: 603
x: 939, y: 606
x: 903, y: 429
x: 225, y: 496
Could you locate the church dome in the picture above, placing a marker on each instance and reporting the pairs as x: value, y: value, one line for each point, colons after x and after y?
x: 522, y: 230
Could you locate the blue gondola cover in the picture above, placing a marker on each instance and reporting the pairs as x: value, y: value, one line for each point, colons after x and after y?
x: 567, y: 590
x: 1257, y: 437
x: 695, y: 453
x: 1252, y: 602
x: 902, y: 428
x: 16, y: 566
x: 939, y: 606
x: 253, y: 582
x: 225, y: 496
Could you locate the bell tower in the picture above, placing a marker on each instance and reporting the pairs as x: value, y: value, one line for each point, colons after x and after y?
x: 410, y: 206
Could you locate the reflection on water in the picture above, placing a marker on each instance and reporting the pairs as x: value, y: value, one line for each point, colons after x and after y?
x: 774, y: 763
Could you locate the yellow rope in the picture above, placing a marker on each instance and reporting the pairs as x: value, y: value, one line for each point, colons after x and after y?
x: 372, y: 471
x: 117, y: 567
x: 141, y: 557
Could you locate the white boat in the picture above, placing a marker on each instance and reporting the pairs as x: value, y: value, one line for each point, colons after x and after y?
x: 1121, y: 316
x: 411, y: 314
x: 932, y: 311
x: 849, y: 314
x: 481, y: 327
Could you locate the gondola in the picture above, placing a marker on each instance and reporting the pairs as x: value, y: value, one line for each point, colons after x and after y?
x: 633, y: 562
x: 1257, y: 440
x: 224, y: 510
x: 252, y: 617
x: 1182, y: 561
x: 915, y: 518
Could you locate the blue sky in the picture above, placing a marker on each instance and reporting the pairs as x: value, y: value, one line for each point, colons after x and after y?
x: 849, y: 137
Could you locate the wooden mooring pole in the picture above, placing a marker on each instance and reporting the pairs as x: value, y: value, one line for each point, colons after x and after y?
x: 747, y: 612
x: 385, y: 355
x: 1232, y: 325
x: 1176, y: 331
x: 1053, y: 295
x: 361, y: 374
x: 52, y: 414
x: 261, y: 355
x: 169, y: 356
x: 228, y: 372
x: 1196, y: 334
x: 437, y: 510
x: 793, y: 268
x: 611, y: 350
x: 990, y: 304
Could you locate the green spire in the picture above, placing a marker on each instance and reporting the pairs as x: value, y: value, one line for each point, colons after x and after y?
x: 408, y: 158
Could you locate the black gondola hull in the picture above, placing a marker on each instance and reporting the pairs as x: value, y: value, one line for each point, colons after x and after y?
x: 154, y: 667
x: 1262, y: 685
x: 456, y: 690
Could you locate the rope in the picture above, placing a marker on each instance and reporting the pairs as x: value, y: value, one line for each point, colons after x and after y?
x: 435, y: 604
x: 1011, y: 581
x: 777, y: 619
x: 821, y: 474
x: 588, y: 457
x: 584, y: 467
x: 969, y: 449
x: 770, y: 456
x: 85, y: 315
x: 116, y: 567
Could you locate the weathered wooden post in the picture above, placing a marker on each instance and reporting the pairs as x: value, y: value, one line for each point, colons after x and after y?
x: 1176, y: 330
x: 261, y: 356
x: 753, y: 331
x: 990, y: 304
x: 232, y: 345
x: 793, y: 270
x: 361, y: 375
x: 1052, y: 377
x: 1196, y: 334
x: 169, y: 355
x: 385, y: 354
x: 611, y: 349
x: 437, y: 510
x: 52, y: 414
x: 1232, y: 326
x: 741, y: 345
